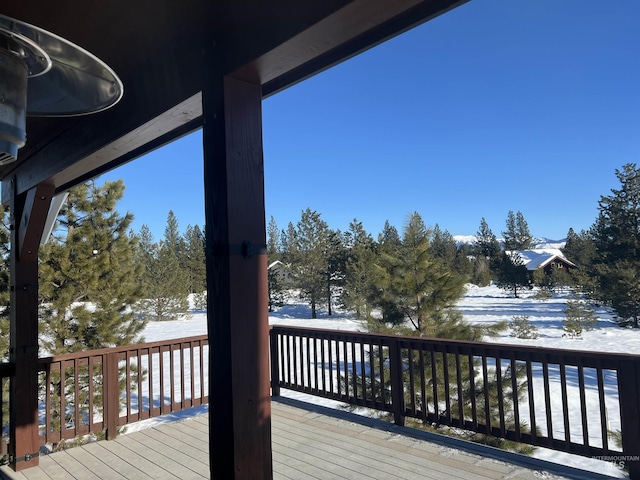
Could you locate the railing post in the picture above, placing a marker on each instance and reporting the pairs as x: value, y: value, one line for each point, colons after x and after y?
x: 397, y: 384
x: 629, y: 390
x: 275, y: 367
x: 111, y: 395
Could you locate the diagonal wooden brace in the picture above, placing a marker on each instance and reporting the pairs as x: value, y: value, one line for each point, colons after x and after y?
x: 32, y: 219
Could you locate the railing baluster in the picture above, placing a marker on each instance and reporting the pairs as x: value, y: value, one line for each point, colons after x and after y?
x: 323, y: 375
x: 485, y: 389
x: 295, y: 360
x: 423, y: 389
x: 516, y: 398
x: 434, y: 384
x: 604, y: 430
x: 412, y: 387
x: 565, y: 403
x: 363, y: 372
x: 460, y: 388
x: 345, y: 362
x: 446, y: 381
x: 583, y: 404
x: 532, y: 406
x: 354, y: 370
x: 330, y: 364
x: 547, y: 402
x: 472, y: 390
x: 503, y: 428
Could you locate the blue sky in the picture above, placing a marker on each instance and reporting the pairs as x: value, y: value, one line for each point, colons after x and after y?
x: 498, y: 105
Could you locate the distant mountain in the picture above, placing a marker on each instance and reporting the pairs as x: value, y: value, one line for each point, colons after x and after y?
x: 539, y: 242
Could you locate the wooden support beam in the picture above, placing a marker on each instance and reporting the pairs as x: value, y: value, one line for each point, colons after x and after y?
x: 240, y: 430
x: 32, y: 220
x: 29, y: 212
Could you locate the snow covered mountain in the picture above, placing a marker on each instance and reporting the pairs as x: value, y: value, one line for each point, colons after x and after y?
x: 538, y: 242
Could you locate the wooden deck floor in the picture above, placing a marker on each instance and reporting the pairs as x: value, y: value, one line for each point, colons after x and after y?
x: 309, y: 442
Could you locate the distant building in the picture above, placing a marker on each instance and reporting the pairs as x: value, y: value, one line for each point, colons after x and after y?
x: 281, y: 270
x: 542, y: 258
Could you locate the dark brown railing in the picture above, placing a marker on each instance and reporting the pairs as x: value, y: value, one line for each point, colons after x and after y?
x: 578, y: 402
x: 89, y: 392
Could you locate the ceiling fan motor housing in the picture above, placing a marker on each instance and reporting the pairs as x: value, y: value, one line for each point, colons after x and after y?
x: 13, y: 105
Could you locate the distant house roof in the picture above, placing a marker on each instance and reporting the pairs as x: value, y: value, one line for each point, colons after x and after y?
x: 275, y: 264
x: 540, y: 258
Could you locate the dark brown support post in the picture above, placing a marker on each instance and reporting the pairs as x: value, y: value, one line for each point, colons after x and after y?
x: 240, y: 419
x: 29, y: 212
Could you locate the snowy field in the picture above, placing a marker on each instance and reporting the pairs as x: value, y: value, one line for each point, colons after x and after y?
x: 480, y: 305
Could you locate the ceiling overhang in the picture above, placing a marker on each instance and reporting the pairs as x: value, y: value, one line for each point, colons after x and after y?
x: 158, y: 54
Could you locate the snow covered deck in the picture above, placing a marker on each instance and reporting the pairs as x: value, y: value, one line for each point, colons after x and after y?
x: 309, y: 441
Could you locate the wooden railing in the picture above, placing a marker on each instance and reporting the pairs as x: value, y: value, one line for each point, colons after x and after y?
x: 101, y: 390
x: 579, y: 402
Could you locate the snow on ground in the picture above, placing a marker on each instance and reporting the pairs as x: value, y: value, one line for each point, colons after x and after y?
x: 483, y: 305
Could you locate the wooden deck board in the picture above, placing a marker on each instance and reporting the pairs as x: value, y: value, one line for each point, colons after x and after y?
x: 308, y: 443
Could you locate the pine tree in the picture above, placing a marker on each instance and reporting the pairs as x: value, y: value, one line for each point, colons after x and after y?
x: 389, y: 245
x: 289, y: 244
x: 443, y: 247
x: 88, y: 277
x: 309, y: 261
x: 417, y: 284
x: 274, y: 248
x: 165, y: 283
x: 580, y: 249
x: 194, y: 262
x: 579, y: 317
x: 336, y: 257
x: 487, y: 246
x: 517, y: 235
x: 358, y: 290
x: 617, y: 241
x: 513, y: 275
x: 89, y: 282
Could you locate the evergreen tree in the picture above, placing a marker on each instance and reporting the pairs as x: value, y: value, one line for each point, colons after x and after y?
x: 194, y: 261
x: 580, y: 249
x: 579, y: 317
x: 89, y: 282
x: 289, y: 243
x: 195, y: 265
x: 389, y: 245
x: 164, y: 282
x: 422, y: 289
x: 274, y: 253
x: 487, y: 246
x: 617, y: 241
x: 336, y: 257
x: 88, y: 277
x: 443, y: 247
x: 309, y: 262
x: 389, y: 239
x: 517, y: 235
x: 358, y: 290
x: 513, y: 275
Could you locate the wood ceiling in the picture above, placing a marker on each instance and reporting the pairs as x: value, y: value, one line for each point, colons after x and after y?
x: 156, y: 48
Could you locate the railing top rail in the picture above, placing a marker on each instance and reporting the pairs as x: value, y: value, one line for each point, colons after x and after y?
x: 124, y: 348
x: 487, y: 347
